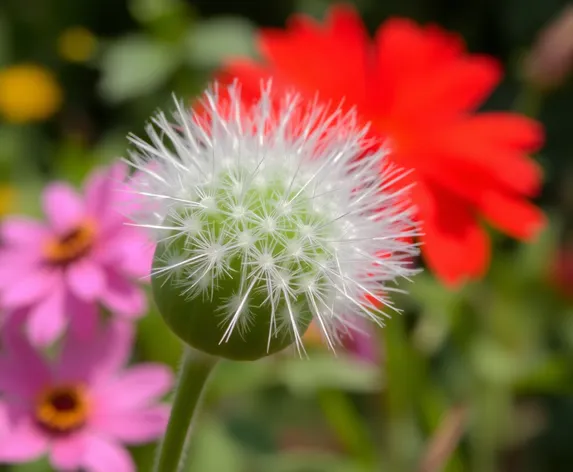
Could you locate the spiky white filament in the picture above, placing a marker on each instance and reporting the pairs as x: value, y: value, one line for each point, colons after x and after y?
x: 289, y: 193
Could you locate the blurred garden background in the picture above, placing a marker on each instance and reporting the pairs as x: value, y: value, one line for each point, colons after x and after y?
x: 478, y: 378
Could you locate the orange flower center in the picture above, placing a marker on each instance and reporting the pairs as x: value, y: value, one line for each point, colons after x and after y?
x: 62, y: 409
x: 71, y: 246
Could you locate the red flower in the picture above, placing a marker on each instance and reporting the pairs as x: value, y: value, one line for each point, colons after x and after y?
x: 419, y: 88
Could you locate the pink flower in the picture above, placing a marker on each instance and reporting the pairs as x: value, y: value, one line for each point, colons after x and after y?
x: 82, y: 408
x: 83, y: 254
x: 362, y: 342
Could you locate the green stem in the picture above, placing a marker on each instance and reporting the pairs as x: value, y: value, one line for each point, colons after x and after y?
x: 348, y: 426
x: 194, y: 373
x: 402, y: 388
x: 492, y: 404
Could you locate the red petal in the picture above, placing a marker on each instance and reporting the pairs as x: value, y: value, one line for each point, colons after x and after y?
x: 482, y: 150
x: 455, y: 88
x: 407, y: 44
x: 427, y: 68
x: 250, y: 76
x: 464, y: 179
x: 329, y: 60
x: 403, y: 51
x: 454, y: 246
x: 515, y: 217
x: 507, y: 129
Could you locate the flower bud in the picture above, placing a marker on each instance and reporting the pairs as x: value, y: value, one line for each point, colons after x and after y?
x: 266, y: 220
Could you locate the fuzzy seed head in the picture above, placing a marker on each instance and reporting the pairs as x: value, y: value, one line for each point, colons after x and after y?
x: 267, y: 218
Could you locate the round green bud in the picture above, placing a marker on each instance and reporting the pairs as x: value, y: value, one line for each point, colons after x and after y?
x: 201, y: 323
x: 268, y: 215
x: 232, y: 276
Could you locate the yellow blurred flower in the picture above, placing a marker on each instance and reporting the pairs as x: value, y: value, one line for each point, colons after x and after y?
x: 7, y: 197
x: 28, y: 92
x: 76, y: 44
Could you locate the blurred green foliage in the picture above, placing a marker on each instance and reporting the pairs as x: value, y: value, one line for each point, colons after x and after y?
x: 502, y: 347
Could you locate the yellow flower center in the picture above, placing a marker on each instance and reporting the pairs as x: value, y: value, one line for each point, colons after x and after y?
x: 28, y: 92
x: 62, y: 409
x: 71, y: 246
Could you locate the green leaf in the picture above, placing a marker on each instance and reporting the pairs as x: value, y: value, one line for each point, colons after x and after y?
x: 111, y: 145
x: 156, y: 342
x: 28, y: 196
x: 551, y: 375
x: 213, y: 41
x: 72, y: 161
x: 326, y: 371
x: 213, y: 449
x: 149, y: 10
x: 135, y: 66
x: 308, y: 462
x: 143, y: 456
x: 14, y: 141
x: 531, y: 259
x: 41, y: 465
x: 239, y: 378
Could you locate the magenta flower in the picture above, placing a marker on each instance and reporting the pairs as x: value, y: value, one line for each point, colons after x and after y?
x: 362, y: 342
x: 83, y: 254
x: 82, y: 408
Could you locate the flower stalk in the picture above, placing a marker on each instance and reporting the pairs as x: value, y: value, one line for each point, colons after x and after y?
x: 403, y: 378
x: 195, y: 371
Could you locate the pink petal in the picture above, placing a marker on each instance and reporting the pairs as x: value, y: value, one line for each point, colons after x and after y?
x: 83, y: 318
x: 136, y: 387
x: 4, y: 420
x: 129, y: 251
x: 63, y: 207
x: 23, y: 371
x: 133, y: 203
x: 134, y: 427
x: 12, y: 321
x: 15, y: 264
x: 123, y: 296
x: 139, y: 266
x: 103, y: 455
x: 101, y: 188
x: 86, y: 279
x: 29, y: 288
x: 66, y: 453
x: 20, y: 231
x: 98, y: 357
x: 47, y: 320
x: 365, y: 347
x: 20, y: 439
x: 362, y: 342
